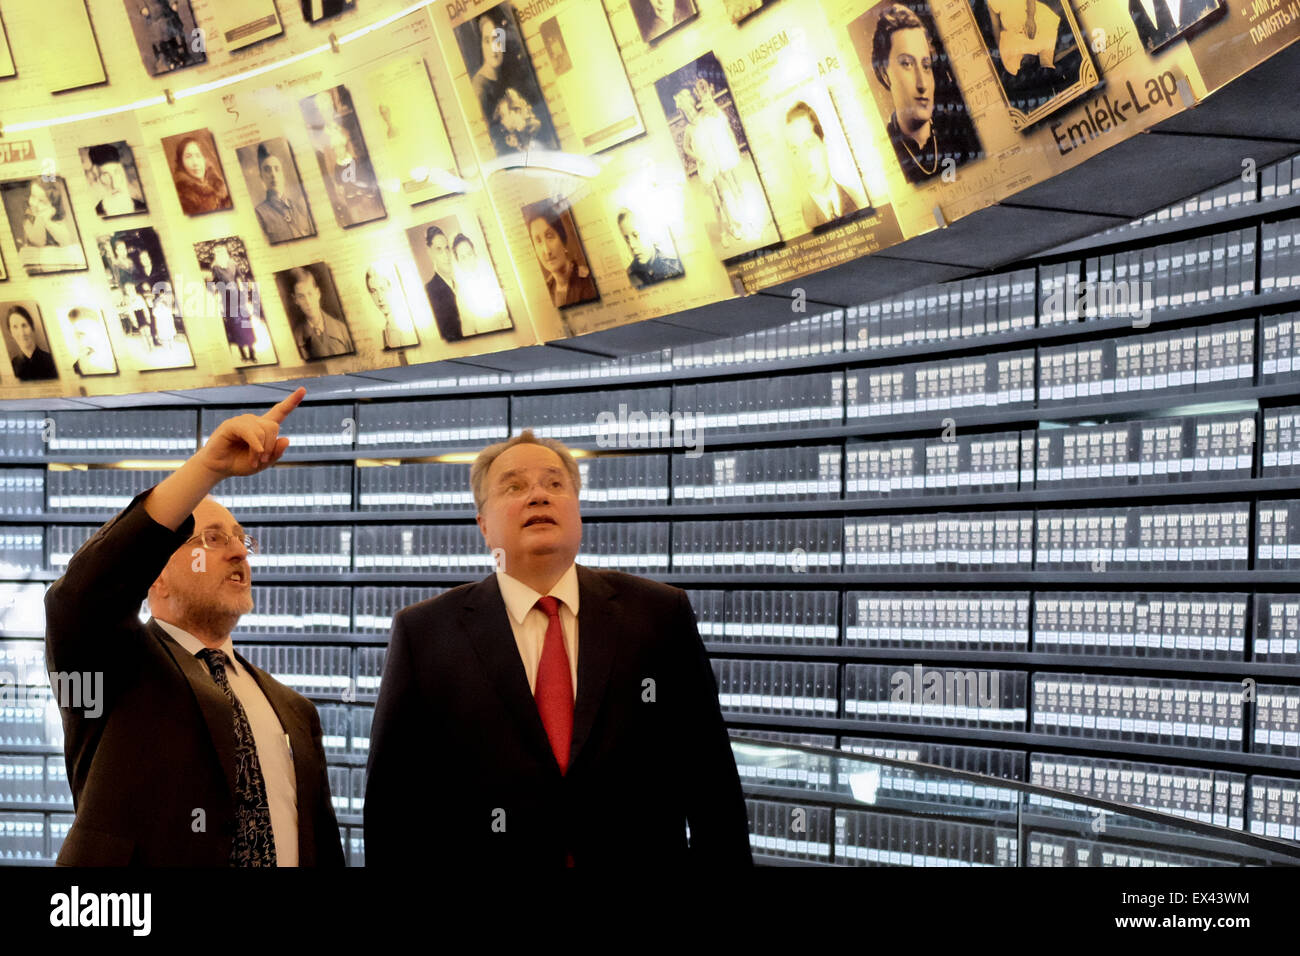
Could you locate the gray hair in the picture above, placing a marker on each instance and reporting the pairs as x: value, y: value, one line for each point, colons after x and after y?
x: 483, y: 463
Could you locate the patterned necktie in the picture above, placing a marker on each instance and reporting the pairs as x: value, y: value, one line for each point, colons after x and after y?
x: 554, y: 692
x: 254, y: 843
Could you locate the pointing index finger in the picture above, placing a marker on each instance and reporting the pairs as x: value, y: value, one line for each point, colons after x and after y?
x: 280, y: 411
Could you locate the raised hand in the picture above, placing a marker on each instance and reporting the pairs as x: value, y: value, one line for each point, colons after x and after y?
x: 248, y: 444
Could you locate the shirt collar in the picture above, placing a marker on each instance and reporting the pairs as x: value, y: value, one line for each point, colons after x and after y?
x: 193, y: 645
x: 826, y: 201
x: 520, y: 598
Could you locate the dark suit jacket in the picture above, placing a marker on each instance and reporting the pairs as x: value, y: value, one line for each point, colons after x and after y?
x: 462, y: 773
x: 813, y: 215
x: 164, y: 744
x: 446, y: 311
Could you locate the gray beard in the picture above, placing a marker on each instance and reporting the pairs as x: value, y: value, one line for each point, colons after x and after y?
x: 207, y: 615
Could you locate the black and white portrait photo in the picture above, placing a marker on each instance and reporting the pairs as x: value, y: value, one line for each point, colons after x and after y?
x: 235, y: 300
x: 167, y: 35
x: 316, y: 10
x: 275, y: 185
x: 651, y: 254
x: 43, y: 225
x: 654, y: 18
x: 200, y: 180
x: 560, y: 255
x: 389, y: 307
x: 822, y: 174
x: 505, y: 83
x: 315, y: 312
x: 462, y: 286
x: 1160, y: 22
x: 149, y: 303
x: 26, y: 342
x: 86, y: 337
x: 913, y: 85
x: 1040, y: 55
x: 345, y: 164
x: 111, y: 174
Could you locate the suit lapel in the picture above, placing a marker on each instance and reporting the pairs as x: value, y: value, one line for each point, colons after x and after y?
x: 216, y: 709
x: 597, y: 627
x: 486, y: 623
x: 485, y: 619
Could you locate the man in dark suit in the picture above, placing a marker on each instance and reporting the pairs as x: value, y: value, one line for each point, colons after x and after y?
x: 441, y: 289
x: 187, y: 754
x: 550, y: 713
x: 1160, y: 21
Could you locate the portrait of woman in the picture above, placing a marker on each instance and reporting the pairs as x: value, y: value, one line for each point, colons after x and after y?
x: 928, y: 122
x: 559, y: 254
x: 23, y: 339
x: 200, y: 181
x: 44, y: 228
x: 504, y: 82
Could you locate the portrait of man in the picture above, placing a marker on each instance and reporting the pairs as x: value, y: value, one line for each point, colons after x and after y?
x: 441, y: 285
x: 384, y: 286
x: 504, y: 82
x: 1041, y: 57
x: 25, y: 341
x: 276, y: 187
x: 929, y: 126
x: 344, y: 160
x: 654, y: 18
x: 822, y: 198
x: 1160, y: 22
x: 89, y: 342
x: 43, y: 225
x: 111, y: 173
x: 650, y: 264
x: 164, y: 33
x: 311, y: 302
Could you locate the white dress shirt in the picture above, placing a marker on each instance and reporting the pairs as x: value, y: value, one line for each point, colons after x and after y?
x: 529, y: 623
x: 273, y: 751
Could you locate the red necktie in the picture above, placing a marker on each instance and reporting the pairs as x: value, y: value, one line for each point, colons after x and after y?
x: 554, y: 691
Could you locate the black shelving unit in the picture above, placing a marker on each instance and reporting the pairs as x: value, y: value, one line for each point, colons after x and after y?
x: 843, y: 435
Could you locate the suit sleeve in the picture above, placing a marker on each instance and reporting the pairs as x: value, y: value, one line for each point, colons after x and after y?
x: 715, y: 803
x: 398, y: 776
x: 101, y: 591
x: 325, y: 826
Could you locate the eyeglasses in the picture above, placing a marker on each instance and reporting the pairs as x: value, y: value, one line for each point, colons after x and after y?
x: 214, y: 540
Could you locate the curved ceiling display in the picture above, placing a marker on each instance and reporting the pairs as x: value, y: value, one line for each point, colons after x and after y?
x: 210, y: 194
